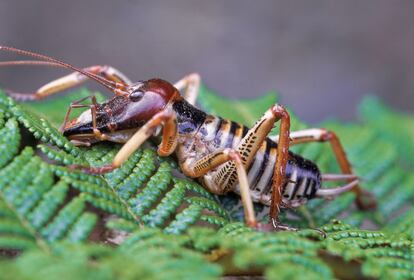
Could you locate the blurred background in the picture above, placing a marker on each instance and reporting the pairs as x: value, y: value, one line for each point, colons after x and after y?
x: 321, y: 56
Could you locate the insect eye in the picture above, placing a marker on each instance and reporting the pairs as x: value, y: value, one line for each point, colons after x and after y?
x: 136, y: 95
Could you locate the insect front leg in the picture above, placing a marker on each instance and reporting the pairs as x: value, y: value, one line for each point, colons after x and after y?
x: 166, y: 118
x: 191, y: 86
x: 92, y: 108
x: 202, y: 166
x: 66, y: 82
x: 364, y: 199
x: 78, y: 104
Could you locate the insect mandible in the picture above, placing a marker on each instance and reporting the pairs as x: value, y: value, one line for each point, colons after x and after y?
x: 222, y: 154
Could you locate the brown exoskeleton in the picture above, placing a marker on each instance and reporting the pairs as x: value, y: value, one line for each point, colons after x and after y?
x: 224, y: 155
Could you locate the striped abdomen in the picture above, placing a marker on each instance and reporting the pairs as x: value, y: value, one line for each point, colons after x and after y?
x: 302, y: 176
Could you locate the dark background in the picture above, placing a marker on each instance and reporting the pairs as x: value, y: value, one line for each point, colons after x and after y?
x: 322, y: 56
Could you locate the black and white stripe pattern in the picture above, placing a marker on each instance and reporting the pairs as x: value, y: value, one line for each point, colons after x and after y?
x: 302, y: 176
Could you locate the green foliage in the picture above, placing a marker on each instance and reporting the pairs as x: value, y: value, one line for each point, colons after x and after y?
x: 148, y: 254
x: 56, y: 215
x: 234, y: 250
x: 44, y: 202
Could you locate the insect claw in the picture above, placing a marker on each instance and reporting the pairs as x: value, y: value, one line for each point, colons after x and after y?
x: 321, y: 232
x: 252, y: 224
x: 278, y: 226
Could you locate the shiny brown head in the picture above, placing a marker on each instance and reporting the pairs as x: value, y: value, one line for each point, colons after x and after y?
x: 122, y: 113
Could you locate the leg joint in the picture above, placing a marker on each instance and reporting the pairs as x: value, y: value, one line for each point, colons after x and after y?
x: 327, y: 135
x: 233, y: 155
x: 279, y: 111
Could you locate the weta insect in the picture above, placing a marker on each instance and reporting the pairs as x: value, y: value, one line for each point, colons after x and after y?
x: 224, y: 155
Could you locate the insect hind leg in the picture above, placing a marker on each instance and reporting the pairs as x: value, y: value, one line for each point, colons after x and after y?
x: 364, y: 199
x: 252, y: 142
x: 191, y: 86
x: 333, y: 192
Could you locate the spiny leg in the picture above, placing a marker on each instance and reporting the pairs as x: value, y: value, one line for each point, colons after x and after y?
x: 364, y: 199
x: 71, y: 80
x: 92, y: 108
x: 77, y: 104
x: 249, y: 146
x: 191, y: 86
x: 210, y: 162
x: 167, y: 118
x: 169, y: 134
x: 281, y: 162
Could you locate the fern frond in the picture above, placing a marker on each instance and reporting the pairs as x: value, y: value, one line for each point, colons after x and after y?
x: 152, y: 211
x: 387, y: 122
x: 55, y: 202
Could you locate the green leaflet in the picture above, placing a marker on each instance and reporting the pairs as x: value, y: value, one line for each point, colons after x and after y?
x: 234, y: 250
x: 44, y: 206
x: 150, y: 255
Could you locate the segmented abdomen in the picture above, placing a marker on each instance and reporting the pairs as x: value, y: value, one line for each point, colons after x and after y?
x: 302, y: 175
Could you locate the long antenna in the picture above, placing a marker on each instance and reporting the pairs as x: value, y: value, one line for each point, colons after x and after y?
x: 45, y: 63
x: 54, y: 62
x: 29, y: 62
